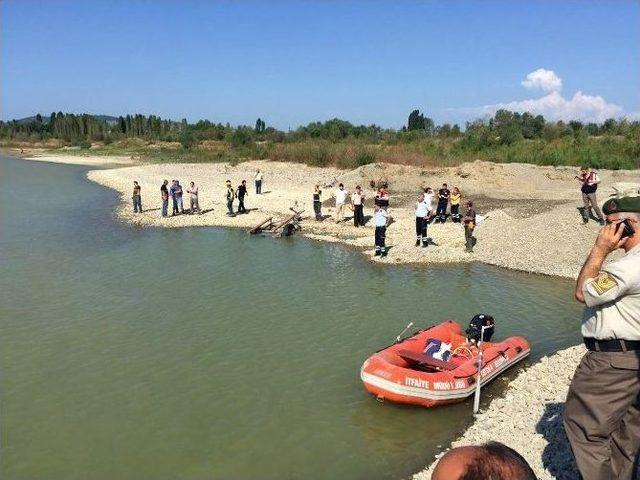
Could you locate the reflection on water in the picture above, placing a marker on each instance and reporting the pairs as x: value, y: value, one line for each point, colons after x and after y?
x: 202, y: 353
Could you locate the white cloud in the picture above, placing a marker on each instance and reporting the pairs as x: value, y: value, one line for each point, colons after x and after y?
x: 546, y: 80
x: 553, y: 106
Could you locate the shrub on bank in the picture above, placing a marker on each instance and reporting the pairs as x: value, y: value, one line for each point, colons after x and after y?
x: 322, y: 153
x: 610, y: 152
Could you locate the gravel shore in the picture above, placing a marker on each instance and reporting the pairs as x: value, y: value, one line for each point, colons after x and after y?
x: 533, y: 223
x: 528, y: 418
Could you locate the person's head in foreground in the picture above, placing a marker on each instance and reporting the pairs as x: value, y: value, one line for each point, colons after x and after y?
x: 341, y: 186
x: 244, y: 182
x: 491, y: 461
x: 623, y: 221
x: 135, y: 184
x: 444, y: 185
x: 421, y: 197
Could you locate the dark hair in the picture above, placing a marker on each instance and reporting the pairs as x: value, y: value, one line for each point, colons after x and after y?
x: 495, y: 461
x: 340, y: 185
x: 244, y: 181
x: 444, y: 184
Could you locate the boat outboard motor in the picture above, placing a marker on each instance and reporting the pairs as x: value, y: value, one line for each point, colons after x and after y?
x: 475, y: 328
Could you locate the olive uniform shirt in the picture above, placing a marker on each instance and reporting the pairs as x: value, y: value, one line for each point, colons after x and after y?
x: 613, y: 300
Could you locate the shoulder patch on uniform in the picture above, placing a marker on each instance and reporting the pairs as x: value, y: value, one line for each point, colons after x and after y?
x: 604, y: 282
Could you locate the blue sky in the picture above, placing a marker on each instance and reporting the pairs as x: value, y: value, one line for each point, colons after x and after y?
x: 295, y: 62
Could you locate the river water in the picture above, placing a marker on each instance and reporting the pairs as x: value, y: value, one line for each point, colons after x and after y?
x: 203, y: 353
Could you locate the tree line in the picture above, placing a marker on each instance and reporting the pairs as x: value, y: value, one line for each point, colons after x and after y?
x: 503, y: 128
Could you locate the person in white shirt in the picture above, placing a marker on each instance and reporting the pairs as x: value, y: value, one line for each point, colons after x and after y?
x: 340, y: 194
x: 428, y: 196
x: 381, y: 219
x: 424, y: 211
x: 193, y: 198
x: 258, y: 180
x: 357, y: 200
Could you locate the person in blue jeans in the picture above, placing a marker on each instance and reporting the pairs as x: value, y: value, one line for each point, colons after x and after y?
x: 174, y: 198
x: 137, y: 198
x: 164, y: 195
x: 177, y: 194
x: 258, y: 180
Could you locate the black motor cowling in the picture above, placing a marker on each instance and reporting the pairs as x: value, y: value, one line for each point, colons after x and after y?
x: 475, y: 328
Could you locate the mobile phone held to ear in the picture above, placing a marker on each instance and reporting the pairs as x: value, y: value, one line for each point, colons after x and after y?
x: 628, y: 230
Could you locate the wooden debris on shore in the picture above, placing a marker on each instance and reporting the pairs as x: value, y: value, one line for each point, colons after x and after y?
x: 283, y: 228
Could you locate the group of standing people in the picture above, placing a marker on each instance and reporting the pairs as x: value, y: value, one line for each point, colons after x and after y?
x: 240, y: 193
x: 341, y: 195
x: 447, y: 197
x: 175, y: 193
x: 424, y: 210
x: 425, y: 214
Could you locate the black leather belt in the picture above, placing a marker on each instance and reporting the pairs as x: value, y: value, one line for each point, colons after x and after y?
x: 618, y: 345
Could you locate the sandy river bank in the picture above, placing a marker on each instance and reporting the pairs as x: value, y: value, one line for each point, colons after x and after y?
x: 533, y: 221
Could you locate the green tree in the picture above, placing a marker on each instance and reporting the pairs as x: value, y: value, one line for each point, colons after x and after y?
x: 415, y: 121
x: 506, y: 125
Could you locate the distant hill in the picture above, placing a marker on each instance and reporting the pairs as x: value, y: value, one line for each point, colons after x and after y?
x: 45, y: 118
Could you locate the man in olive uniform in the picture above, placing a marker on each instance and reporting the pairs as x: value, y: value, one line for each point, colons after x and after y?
x: 602, y: 413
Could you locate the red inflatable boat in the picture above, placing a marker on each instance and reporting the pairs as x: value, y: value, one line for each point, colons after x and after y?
x: 404, y: 373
